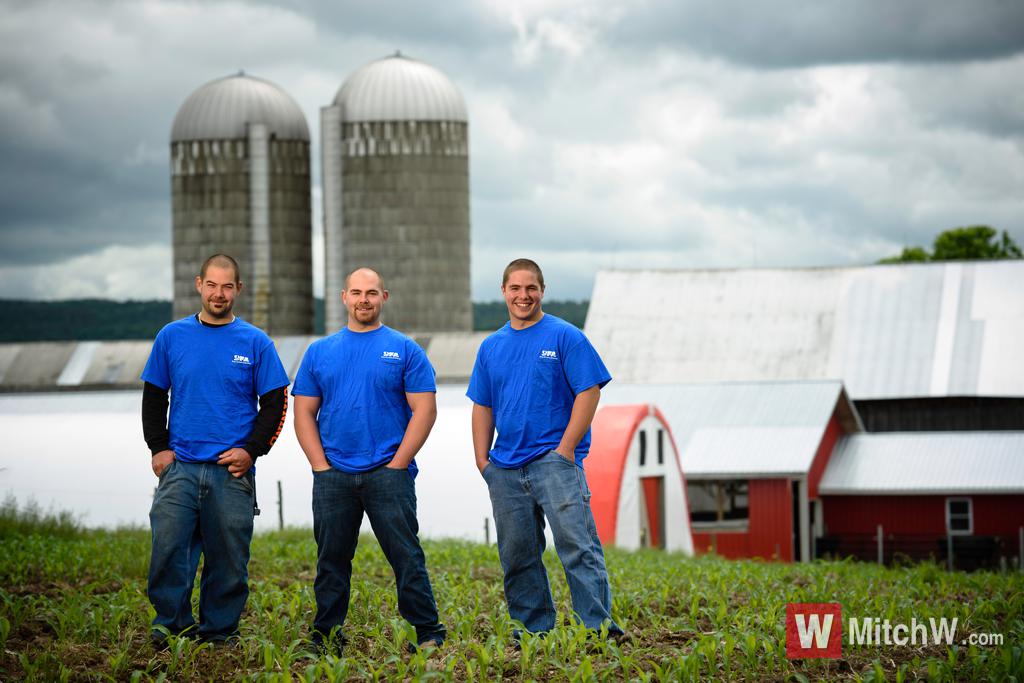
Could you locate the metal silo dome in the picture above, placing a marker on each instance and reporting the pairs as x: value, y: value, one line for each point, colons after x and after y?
x: 395, y: 172
x: 221, y: 109
x: 398, y: 88
x: 240, y: 185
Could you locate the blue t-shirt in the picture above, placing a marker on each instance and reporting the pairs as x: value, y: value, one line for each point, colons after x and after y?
x: 216, y: 376
x: 361, y: 379
x: 529, y: 378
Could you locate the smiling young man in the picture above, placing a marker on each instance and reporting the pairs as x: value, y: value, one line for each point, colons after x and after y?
x: 364, y: 406
x: 215, y: 367
x: 538, y: 381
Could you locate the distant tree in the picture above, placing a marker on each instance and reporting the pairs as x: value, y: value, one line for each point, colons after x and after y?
x: 490, y: 315
x: 99, y: 319
x: 972, y: 243
x: 81, y: 319
x: 909, y: 255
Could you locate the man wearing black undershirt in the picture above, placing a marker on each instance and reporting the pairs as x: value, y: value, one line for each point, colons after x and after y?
x: 211, y: 369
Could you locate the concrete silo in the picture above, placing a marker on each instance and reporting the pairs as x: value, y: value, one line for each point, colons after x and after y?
x: 396, y: 193
x: 240, y: 185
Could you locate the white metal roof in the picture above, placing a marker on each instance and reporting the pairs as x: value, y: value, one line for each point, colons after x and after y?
x: 926, y: 463
x: 398, y: 88
x: 221, y: 110
x: 453, y: 353
x: 72, y: 364
x: 895, y: 331
x: 739, y: 429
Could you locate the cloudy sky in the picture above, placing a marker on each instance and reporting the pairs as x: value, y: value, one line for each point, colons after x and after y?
x: 648, y: 133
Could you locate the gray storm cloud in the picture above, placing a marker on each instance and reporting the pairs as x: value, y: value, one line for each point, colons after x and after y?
x: 639, y: 134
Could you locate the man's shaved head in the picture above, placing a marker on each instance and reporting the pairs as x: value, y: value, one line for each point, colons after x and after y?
x: 365, y: 271
x: 364, y: 296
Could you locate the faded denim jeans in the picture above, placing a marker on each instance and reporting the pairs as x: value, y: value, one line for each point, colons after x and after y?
x: 388, y: 497
x: 200, y: 508
x: 555, y: 488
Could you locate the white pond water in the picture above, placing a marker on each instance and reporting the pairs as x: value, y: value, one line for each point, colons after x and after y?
x: 84, y: 452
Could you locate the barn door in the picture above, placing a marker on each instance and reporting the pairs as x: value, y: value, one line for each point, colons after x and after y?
x: 652, y: 512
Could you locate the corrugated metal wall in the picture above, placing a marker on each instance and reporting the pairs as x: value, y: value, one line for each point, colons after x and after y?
x: 405, y: 213
x: 833, y: 431
x: 212, y: 197
x: 996, y: 515
x: 914, y: 527
x: 897, y: 514
x: 291, y: 239
x: 948, y: 413
x: 771, y: 519
x: 769, y: 532
x: 734, y: 545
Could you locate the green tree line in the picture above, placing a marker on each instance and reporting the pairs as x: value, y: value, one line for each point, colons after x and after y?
x: 971, y: 243
x: 101, y: 319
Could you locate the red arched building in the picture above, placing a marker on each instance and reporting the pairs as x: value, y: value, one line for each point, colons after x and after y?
x: 638, y: 492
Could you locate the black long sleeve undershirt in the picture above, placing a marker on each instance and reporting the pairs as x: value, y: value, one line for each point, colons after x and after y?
x: 265, y: 430
x: 154, y: 418
x: 269, y: 422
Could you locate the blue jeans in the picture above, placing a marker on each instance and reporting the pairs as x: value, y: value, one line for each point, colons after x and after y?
x: 200, y: 508
x: 556, y: 488
x: 388, y: 496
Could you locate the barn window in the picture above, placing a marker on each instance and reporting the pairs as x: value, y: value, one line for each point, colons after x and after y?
x: 718, y: 503
x: 959, y: 516
x: 643, y: 448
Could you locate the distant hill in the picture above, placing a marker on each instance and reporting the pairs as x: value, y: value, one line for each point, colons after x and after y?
x: 101, y: 319
x: 98, y: 319
x: 490, y: 315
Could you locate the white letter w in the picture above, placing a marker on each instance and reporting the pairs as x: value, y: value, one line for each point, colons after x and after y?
x: 811, y: 626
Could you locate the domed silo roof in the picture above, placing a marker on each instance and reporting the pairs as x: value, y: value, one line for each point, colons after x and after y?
x: 398, y: 88
x: 221, y: 109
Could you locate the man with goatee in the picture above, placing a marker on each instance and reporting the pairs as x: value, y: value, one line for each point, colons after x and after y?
x: 364, y: 406
x: 216, y: 368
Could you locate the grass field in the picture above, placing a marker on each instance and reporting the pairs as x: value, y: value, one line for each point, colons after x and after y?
x: 73, y: 607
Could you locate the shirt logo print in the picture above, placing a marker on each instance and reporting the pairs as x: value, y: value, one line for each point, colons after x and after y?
x: 390, y: 355
x: 241, y: 360
x: 549, y: 355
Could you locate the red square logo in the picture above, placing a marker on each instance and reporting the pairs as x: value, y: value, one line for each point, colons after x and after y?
x: 814, y: 630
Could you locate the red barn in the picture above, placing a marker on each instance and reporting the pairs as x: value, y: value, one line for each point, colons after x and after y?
x: 638, y: 490
x: 753, y: 454
x: 928, y: 491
